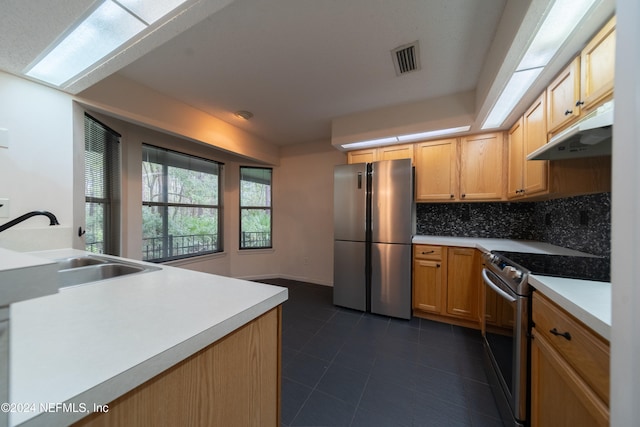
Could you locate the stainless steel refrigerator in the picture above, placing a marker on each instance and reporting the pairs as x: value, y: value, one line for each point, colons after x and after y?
x: 373, y: 227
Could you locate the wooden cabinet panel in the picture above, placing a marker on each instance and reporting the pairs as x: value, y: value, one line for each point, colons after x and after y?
x: 516, y: 162
x: 361, y: 156
x: 429, y: 277
x: 447, y: 288
x: 535, y: 136
x: 481, y: 167
x: 559, y: 396
x: 569, y: 369
x: 562, y: 95
x: 428, y: 281
x: 597, y: 66
x: 428, y: 252
x: 233, y: 382
x: 587, y: 354
x: 436, y: 172
x: 462, y: 283
x: 393, y: 152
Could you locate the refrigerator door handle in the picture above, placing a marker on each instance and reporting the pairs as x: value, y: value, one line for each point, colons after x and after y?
x: 359, y: 180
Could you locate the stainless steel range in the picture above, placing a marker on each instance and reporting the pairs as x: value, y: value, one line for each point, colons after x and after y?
x: 505, y: 332
x: 507, y: 321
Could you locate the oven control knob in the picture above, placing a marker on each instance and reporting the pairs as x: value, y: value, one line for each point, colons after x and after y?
x: 493, y: 258
x: 512, y: 272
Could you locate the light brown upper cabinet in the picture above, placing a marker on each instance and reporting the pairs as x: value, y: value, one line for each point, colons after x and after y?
x: 391, y: 152
x: 563, y: 95
x: 361, y: 156
x: 436, y: 170
x: 527, y: 178
x: 597, y: 66
x: 481, y: 167
x: 585, y: 83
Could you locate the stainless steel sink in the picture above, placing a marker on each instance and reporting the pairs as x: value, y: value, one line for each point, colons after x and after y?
x: 91, y: 268
x: 81, y: 261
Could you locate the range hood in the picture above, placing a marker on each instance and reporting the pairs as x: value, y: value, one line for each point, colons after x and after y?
x: 590, y: 137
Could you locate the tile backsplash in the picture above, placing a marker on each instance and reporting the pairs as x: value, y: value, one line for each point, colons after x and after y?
x: 582, y: 222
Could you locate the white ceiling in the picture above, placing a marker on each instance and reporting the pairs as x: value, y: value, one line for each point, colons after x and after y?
x: 299, y: 64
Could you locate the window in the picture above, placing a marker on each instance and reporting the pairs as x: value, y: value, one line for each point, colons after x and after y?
x: 102, y: 187
x: 255, y: 208
x: 181, y: 206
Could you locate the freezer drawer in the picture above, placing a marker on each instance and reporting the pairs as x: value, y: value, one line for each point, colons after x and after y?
x: 349, y: 275
x: 391, y: 280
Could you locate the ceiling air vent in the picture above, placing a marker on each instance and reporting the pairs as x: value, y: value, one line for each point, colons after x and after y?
x: 406, y: 58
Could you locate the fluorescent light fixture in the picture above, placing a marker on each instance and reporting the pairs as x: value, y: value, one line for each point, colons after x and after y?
x: 371, y: 142
x: 150, y: 10
x: 432, y: 133
x: 518, y: 85
x: 405, y: 138
x: 556, y: 27
x: 108, y: 27
x: 561, y: 20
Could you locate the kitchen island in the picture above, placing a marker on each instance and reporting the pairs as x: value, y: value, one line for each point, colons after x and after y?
x: 108, y: 346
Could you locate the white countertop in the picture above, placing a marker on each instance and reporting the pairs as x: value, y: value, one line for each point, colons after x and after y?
x: 588, y: 301
x: 92, y: 343
x: 23, y: 276
x: 488, y: 245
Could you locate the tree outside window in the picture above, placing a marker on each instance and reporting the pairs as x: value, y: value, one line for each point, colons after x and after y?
x: 102, y: 187
x: 255, y: 207
x: 180, y: 205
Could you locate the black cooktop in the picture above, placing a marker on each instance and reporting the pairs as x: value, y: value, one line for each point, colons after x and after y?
x: 573, y: 267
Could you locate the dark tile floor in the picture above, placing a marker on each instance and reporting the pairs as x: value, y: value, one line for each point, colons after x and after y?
x: 346, y: 368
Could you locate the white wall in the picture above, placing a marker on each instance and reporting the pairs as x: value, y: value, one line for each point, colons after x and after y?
x: 36, y: 173
x: 625, y: 230
x: 304, y: 206
x: 36, y: 170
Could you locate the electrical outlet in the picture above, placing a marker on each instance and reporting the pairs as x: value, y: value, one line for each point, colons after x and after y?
x: 4, y: 208
x: 584, y: 218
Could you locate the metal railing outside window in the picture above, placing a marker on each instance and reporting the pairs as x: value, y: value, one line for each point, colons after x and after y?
x: 255, y: 208
x: 181, y: 205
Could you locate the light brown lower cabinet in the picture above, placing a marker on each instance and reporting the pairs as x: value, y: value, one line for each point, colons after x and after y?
x: 233, y: 382
x: 569, y: 370
x: 446, y: 283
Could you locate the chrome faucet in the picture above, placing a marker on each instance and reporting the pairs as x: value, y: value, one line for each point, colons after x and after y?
x: 52, y: 219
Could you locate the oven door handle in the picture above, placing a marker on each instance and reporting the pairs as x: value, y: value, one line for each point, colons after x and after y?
x: 493, y: 286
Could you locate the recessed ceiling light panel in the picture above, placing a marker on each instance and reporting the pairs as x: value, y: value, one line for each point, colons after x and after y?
x: 150, y: 10
x: 108, y: 27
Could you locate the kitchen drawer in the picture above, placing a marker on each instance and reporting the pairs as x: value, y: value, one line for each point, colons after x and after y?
x: 586, y: 352
x: 427, y: 252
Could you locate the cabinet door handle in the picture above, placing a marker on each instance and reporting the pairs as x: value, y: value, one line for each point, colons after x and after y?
x: 566, y: 113
x: 566, y: 335
x: 579, y: 103
x: 463, y: 195
x: 427, y: 253
x: 451, y: 196
x: 437, y: 265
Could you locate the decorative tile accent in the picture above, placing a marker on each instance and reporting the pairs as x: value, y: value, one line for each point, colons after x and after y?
x: 582, y: 222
